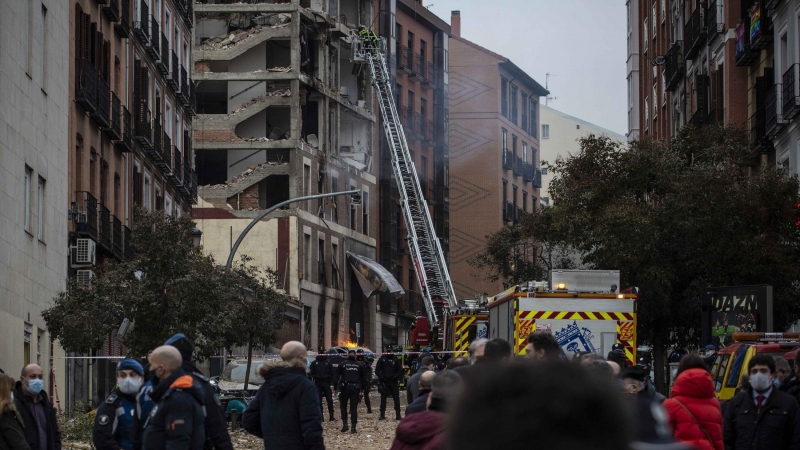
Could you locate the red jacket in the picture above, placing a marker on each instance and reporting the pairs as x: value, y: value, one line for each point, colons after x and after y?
x: 422, y: 430
x: 695, y: 390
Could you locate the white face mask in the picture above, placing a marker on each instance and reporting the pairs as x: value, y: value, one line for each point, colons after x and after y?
x: 760, y: 381
x: 129, y: 385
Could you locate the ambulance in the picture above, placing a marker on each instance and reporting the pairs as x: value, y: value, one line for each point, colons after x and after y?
x: 584, y: 310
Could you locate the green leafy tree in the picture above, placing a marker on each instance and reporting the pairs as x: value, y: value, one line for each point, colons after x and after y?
x: 674, y: 218
x: 169, y: 287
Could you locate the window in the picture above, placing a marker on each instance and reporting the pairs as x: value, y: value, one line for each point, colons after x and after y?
x: 524, y: 109
x: 398, y: 91
x: 524, y: 202
x: 664, y: 88
x: 505, y: 139
x: 26, y: 346
x: 514, y: 109
x: 168, y: 204
x: 28, y: 35
x: 645, y: 35
x: 43, y: 47
x: 321, y: 278
x: 577, y: 127
x: 545, y: 131
x: 514, y: 146
x: 148, y: 191
x: 514, y: 211
x: 655, y: 101
x: 27, y: 205
x: 534, y: 129
x: 307, y: 250
x: 335, y: 188
x: 365, y: 212
x: 410, y: 43
x: 168, y: 120
x: 543, y: 170
x: 423, y: 106
x: 646, y: 111
x: 40, y: 208
x: 505, y: 199
x: 524, y: 151
x: 334, y: 266
x: 663, y: 10
x: 159, y: 199
x: 503, y: 96
x: 655, y: 21
x: 306, y: 181
x: 410, y: 103
x: 423, y: 50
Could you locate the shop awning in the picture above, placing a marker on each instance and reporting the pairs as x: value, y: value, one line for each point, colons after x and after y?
x: 373, y: 277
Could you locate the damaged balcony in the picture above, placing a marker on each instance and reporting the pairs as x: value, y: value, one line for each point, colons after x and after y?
x: 256, y: 187
x: 233, y: 43
x: 267, y: 61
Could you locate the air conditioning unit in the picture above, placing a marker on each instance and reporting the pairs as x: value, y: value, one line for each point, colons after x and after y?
x: 83, y: 253
x: 85, y: 276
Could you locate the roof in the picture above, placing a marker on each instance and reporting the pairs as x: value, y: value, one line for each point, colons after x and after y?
x: 506, y: 64
x: 423, y: 15
x: 610, y: 133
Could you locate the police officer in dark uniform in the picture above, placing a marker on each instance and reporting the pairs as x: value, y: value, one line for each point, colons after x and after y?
x: 367, y: 363
x: 351, y: 379
x: 114, y: 417
x: 389, y: 372
x: 216, y: 426
x: 322, y: 373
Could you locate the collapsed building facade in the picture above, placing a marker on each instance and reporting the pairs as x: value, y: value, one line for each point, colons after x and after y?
x: 284, y: 113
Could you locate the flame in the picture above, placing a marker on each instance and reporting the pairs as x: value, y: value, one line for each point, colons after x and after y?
x: 348, y: 344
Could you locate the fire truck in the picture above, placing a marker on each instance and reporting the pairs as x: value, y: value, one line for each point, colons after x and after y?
x: 585, y: 311
x: 732, y: 361
x: 462, y: 324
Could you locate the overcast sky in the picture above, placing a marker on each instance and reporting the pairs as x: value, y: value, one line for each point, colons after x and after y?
x: 581, y: 43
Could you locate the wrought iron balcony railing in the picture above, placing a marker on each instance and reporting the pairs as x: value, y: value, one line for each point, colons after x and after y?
x: 674, y: 66
x: 101, y: 115
x: 154, y: 48
x: 141, y: 27
x: 86, y: 85
x: 695, y: 32
x: 164, y: 58
x: 86, y: 222
x: 123, y: 26
x: 111, y: 10
x: 105, y: 228
x: 114, y: 130
x: 790, y: 97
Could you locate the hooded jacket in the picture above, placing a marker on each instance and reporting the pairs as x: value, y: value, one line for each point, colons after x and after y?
x: 423, y: 430
x: 25, y: 406
x: 695, y: 389
x: 177, y: 422
x: 286, y: 411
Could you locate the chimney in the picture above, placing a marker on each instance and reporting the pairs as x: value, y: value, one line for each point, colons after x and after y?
x: 455, y: 23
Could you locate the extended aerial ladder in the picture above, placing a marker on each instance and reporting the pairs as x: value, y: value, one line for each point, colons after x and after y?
x: 425, y: 249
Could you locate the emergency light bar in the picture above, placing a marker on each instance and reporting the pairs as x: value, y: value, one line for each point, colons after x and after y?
x: 766, y: 337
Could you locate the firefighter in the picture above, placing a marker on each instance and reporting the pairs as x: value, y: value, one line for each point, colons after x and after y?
x: 351, y: 379
x: 368, y: 36
x: 389, y: 372
x: 322, y: 373
x: 367, y: 363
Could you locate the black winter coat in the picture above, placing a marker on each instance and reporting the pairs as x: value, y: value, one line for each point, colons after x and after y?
x: 777, y: 426
x: 389, y: 369
x: 286, y: 411
x: 12, y: 433
x: 177, y: 422
x: 217, y: 436
x: 24, y: 405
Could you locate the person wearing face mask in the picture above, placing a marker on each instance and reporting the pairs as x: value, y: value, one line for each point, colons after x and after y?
x: 38, y: 414
x: 389, y: 372
x: 114, y: 417
x: 761, y: 417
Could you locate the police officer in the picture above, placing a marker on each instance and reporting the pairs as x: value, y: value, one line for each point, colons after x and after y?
x: 390, y: 372
x: 216, y: 427
x: 367, y: 363
x: 351, y: 379
x: 114, y: 417
x: 322, y: 373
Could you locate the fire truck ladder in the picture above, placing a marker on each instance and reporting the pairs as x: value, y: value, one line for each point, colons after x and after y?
x: 426, y: 251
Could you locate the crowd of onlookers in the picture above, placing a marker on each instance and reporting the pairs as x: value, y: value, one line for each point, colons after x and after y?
x: 487, y: 400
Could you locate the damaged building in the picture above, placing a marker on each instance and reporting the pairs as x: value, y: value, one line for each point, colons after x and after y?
x: 284, y: 113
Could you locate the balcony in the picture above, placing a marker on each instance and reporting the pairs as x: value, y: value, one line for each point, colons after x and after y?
x: 111, y: 10
x: 745, y: 56
x: 141, y: 28
x: 773, y: 120
x: 715, y: 20
x: 156, y: 153
x: 184, y: 94
x: 114, y: 130
x: 764, y: 35
x: 118, y: 244
x: 105, y: 228
x: 154, y: 48
x: 122, y: 27
x: 508, y: 215
x: 125, y: 143
x: 166, y: 154
x: 695, y: 32
x: 518, y: 165
x: 128, y: 251
x: 164, y: 59
x: 675, y: 66
x: 537, y: 179
x: 101, y: 114
x: 174, y: 79
x: 185, y: 186
x: 528, y: 171
x: 430, y: 75
x: 508, y: 159
x: 176, y: 173
x: 142, y: 130
x: 86, y: 85
x: 790, y: 97
x: 758, y: 131
x: 404, y: 59
x: 86, y: 222
x: 418, y: 66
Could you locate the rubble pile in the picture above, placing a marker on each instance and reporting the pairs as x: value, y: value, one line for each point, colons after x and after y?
x: 241, y: 176
x: 271, y: 21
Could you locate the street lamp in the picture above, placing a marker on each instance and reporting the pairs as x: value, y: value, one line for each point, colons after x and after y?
x: 356, y: 196
x: 197, y: 234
